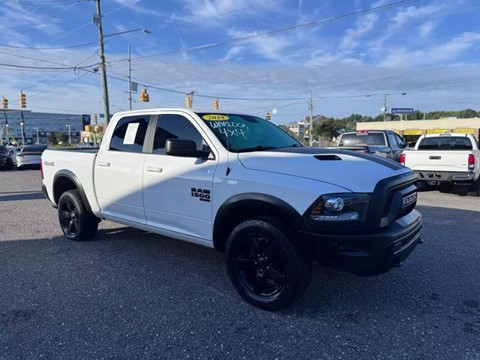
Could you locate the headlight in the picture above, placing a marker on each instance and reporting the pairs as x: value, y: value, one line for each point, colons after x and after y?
x: 340, y: 207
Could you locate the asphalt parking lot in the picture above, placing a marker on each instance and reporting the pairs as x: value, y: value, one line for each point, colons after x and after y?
x: 134, y: 295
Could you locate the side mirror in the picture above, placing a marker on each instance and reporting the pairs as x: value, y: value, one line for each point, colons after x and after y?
x: 185, y: 148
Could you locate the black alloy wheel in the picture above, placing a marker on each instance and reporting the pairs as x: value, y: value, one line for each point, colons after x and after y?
x: 265, y: 266
x: 76, y: 222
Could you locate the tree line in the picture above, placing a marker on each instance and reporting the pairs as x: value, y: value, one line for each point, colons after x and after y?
x: 332, y: 127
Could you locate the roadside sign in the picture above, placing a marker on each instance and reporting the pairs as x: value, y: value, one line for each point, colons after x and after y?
x: 464, y: 130
x: 402, y: 110
x: 436, y: 131
x: 413, y: 132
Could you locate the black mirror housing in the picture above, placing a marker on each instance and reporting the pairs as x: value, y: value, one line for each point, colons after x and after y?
x: 185, y: 148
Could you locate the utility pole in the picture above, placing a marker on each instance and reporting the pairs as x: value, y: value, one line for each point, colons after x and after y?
x: 129, y: 79
x: 310, y: 108
x: 97, y: 19
x: 385, y: 107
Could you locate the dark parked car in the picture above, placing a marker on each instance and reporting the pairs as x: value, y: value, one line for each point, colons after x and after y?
x: 5, y: 158
x: 384, y: 143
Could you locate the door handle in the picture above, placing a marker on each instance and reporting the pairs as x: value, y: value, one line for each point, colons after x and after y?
x: 154, y: 169
x: 103, y: 163
x: 432, y: 157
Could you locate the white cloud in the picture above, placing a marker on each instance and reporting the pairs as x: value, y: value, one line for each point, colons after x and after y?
x: 363, y: 26
x: 213, y: 8
x: 135, y: 6
x: 270, y: 47
x: 427, y: 28
x: 437, y: 54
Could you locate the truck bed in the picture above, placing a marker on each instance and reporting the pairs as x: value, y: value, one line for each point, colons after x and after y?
x: 79, y: 162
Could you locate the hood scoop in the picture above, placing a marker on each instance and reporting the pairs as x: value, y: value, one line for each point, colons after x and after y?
x: 327, y: 157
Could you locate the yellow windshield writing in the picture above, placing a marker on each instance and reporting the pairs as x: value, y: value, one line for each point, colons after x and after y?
x: 215, y: 117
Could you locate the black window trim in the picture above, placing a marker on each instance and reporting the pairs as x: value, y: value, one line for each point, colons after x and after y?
x: 153, y: 127
x: 145, y: 140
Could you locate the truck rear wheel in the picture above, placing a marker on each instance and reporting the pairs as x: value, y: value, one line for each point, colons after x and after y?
x: 76, y: 222
x: 475, y: 188
x: 265, y: 266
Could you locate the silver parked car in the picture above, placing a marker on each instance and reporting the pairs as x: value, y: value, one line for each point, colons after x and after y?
x: 29, y: 156
x: 13, y: 151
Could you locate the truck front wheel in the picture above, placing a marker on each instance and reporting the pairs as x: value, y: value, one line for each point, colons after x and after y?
x: 76, y: 222
x: 265, y: 266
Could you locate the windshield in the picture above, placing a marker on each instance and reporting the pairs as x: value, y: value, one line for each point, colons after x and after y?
x: 242, y: 133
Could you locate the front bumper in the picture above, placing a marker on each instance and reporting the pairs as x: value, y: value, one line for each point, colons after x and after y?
x: 368, y: 253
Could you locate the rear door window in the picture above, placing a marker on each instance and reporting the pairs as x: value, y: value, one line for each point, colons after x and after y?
x: 129, y: 134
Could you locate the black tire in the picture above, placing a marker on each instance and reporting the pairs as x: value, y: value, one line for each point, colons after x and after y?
x: 474, y: 189
x: 266, y: 268
x: 76, y: 222
x: 20, y: 167
x: 9, y: 165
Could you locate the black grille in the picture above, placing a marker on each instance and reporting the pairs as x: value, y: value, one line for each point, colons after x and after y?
x: 392, y: 191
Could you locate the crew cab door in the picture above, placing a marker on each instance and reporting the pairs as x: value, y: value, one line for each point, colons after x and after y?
x: 118, y: 173
x: 396, y: 144
x: 177, y: 190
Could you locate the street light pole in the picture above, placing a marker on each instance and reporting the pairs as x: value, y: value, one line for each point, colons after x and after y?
x: 36, y: 129
x: 98, y: 21
x: 69, y: 134
x: 310, y: 108
x: 129, y: 79
x: 8, y: 135
x: 22, y: 124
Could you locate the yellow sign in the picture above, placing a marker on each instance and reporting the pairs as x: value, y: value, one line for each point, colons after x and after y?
x: 464, y: 130
x: 215, y: 117
x: 437, y: 131
x: 413, y: 132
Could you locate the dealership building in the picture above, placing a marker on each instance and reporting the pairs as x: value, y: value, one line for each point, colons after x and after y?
x: 411, y: 130
x: 37, y: 127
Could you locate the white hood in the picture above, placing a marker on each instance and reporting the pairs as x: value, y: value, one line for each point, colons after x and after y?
x: 352, y: 171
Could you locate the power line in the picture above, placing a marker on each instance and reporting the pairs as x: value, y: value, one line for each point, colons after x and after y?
x: 289, y: 28
x: 46, y: 67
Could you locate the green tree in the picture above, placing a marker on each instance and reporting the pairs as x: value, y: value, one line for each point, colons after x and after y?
x: 467, y: 114
x: 329, y: 128
x: 417, y: 115
x: 62, y: 137
x: 52, y: 139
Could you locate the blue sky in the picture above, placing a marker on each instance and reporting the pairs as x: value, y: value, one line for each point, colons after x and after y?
x: 255, y: 56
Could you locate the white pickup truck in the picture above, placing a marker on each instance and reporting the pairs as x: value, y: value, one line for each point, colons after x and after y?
x: 446, y: 160
x: 241, y: 185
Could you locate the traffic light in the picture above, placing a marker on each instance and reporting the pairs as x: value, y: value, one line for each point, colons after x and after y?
x: 144, y: 97
x: 188, y: 101
x: 23, y: 100
x: 5, y: 103
x: 268, y: 116
x: 215, y: 104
